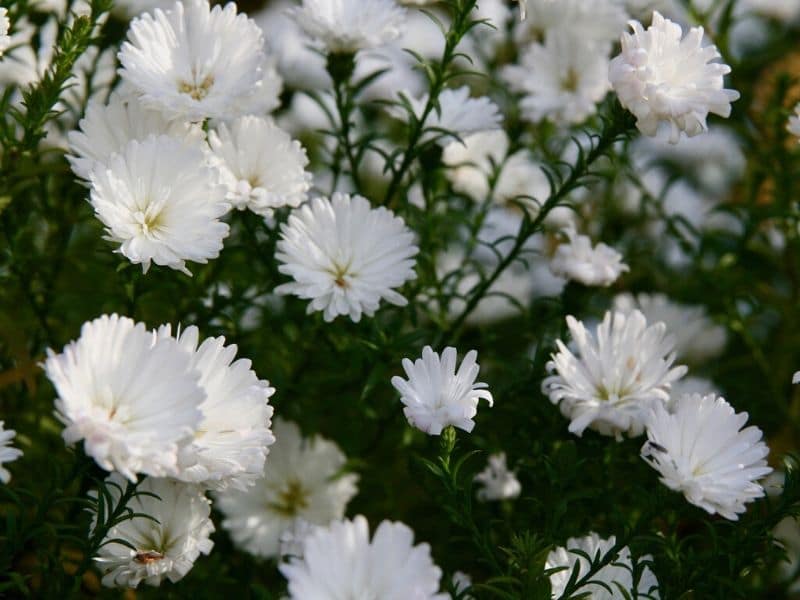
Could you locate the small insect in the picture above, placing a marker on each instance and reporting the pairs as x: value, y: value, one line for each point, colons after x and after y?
x: 658, y: 447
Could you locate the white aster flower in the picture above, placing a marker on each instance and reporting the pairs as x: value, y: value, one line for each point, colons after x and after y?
x: 195, y: 62
x: 697, y: 338
x: 132, y: 398
x: 345, y: 256
x: 793, y: 126
x: 260, y: 164
x: 562, y: 79
x: 346, y: 26
x: 7, y: 452
x: 605, y: 583
x: 577, y: 259
x: 232, y: 440
x: 340, y: 561
x: 701, y: 450
x: 498, y: 482
x: 106, y: 129
x: 614, y: 376
x: 162, y: 203
x: 435, y: 395
x: 167, y: 544
x: 5, y: 25
x: 663, y: 78
x: 458, y: 113
x: 302, y: 481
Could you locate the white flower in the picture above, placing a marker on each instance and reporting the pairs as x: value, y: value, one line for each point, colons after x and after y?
x: 562, y: 80
x: 796, y: 377
x: 194, y: 62
x: 435, y: 395
x: 7, y: 452
x: 498, y: 482
x: 301, y: 481
x: 132, y: 398
x: 663, y: 79
x: 262, y: 167
x: 5, y: 25
x: 597, y: 22
x: 615, y: 376
x: 106, y: 129
x: 345, y: 256
x: 346, y: 26
x: 701, y: 450
x: 600, y: 265
x: 233, y: 438
x: 457, y: 113
x: 167, y: 544
x: 474, y: 161
x: 697, y: 338
x: 605, y: 583
x: 793, y: 125
x: 340, y: 561
x: 161, y: 202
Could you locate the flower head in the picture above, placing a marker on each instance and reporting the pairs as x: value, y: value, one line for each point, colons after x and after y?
x: 161, y: 202
x: 340, y: 561
x: 262, y: 167
x: 165, y: 543
x: 106, y: 129
x: 562, y: 79
x: 664, y: 78
x: 345, y: 256
x: 7, y: 452
x: 435, y: 395
x: 613, y: 377
x: 498, y: 482
x: 600, y: 265
x: 301, y: 482
x: 606, y: 582
x: 131, y: 397
x: 232, y: 440
x: 346, y: 26
x: 702, y: 450
x: 193, y: 61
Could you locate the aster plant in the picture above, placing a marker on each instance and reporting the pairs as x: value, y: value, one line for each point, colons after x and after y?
x: 400, y: 299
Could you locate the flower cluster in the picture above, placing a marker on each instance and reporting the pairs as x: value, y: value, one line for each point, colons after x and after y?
x: 150, y: 403
x: 327, y: 189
